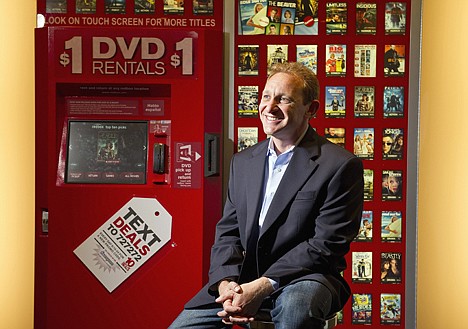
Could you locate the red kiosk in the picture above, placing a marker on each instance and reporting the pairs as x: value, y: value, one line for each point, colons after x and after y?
x: 129, y: 125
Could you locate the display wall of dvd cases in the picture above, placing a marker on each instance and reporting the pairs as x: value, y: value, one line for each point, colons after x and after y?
x: 359, y: 51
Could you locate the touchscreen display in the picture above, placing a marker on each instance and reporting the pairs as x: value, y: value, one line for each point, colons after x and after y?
x: 107, y: 152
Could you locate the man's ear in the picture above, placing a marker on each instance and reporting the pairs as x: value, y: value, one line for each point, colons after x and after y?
x: 313, y: 108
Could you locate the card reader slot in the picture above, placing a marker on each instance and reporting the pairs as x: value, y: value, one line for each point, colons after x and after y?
x: 159, y: 158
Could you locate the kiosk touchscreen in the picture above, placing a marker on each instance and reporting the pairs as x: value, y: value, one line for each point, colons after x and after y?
x: 112, y: 152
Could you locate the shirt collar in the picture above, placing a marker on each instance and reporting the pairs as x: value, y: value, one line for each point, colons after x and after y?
x: 271, y: 148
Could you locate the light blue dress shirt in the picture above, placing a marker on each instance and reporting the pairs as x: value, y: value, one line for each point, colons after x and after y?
x: 274, y: 171
x: 275, y: 168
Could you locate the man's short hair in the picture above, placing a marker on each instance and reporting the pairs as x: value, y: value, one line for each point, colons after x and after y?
x: 311, y: 87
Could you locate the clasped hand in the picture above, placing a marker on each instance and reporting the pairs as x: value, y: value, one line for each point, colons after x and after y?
x: 241, y: 302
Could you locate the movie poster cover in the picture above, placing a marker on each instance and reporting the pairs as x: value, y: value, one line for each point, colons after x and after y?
x: 364, y: 143
x: 144, y: 7
x: 394, y: 61
x: 307, y: 55
x: 335, y: 102
x: 368, y: 184
x: 390, y: 267
x: 56, y: 6
x: 108, y: 147
x: 276, y: 54
x: 390, y: 308
x: 173, y: 7
x: 361, y: 309
x: 362, y: 267
x: 366, y: 18
x: 281, y: 17
x: 203, y: 7
x: 248, y: 60
x: 392, y: 143
x: 306, y: 22
x: 365, y: 61
x: 391, y: 226
x: 336, y: 136
x: 247, y: 101
x: 115, y: 6
x: 337, y: 18
x: 364, y: 97
x: 393, y: 101
x: 392, y: 185
x: 365, y: 230
x: 395, y: 18
x: 86, y: 7
x: 335, y: 64
x: 252, y: 17
x: 246, y: 137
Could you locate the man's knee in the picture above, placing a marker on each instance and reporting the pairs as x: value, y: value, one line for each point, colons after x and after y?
x: 312, y: 297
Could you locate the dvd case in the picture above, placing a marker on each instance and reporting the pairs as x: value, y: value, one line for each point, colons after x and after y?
x: 390, y: 267
x: 361, y: 309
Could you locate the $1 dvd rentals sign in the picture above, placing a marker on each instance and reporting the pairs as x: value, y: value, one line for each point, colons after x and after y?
x: 126, y: 241
x: 117, y: 52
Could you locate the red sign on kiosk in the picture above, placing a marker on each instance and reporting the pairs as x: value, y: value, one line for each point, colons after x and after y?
x: 151, y: 53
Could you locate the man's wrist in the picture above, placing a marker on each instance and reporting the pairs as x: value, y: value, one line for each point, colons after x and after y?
x: 274, y: 284
x: 267, y: 285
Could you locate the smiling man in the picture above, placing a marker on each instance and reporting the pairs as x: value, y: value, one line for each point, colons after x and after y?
x: 294, y: 205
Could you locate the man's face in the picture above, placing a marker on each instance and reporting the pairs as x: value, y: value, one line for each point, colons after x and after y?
x: 282, y: 112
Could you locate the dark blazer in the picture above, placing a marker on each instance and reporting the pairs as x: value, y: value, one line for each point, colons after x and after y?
x: 314, y: 216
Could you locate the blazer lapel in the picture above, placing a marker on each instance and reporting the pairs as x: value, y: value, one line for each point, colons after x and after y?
x: 255, y: 172
x: 299, y: 170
